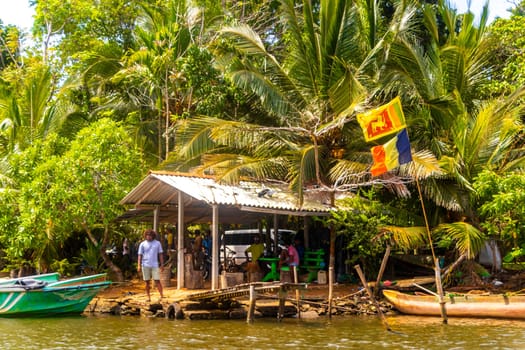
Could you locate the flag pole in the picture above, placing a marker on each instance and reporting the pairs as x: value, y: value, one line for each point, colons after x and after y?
x: 383, y: 121
x: 437, y: 269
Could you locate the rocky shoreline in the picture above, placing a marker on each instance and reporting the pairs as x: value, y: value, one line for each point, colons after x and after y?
x: 129, y: 299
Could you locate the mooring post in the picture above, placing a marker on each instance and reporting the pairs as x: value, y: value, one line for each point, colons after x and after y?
x: 439, y: 288
x: 251, y: 307
x: 297, y: 295
x: 282, y: 300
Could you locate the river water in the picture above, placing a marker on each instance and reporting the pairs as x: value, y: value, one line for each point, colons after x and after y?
x: 368, y: 332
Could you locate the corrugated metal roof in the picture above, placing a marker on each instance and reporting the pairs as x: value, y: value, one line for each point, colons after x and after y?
x: 159, y: 188
x: 162, y: 188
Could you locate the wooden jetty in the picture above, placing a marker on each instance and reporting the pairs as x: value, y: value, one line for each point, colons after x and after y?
x: 223, y: 303
x: 234, y: 303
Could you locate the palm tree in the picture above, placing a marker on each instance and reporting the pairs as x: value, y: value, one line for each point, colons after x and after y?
x: 436, y: 78
x: 29, y: 110
x: 150, y: 73
x: 312, y: 86
x: 334, y: 67
x: 312, y: 92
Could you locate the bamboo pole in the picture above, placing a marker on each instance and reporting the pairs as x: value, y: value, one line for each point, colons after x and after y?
x: 437, y: 270
x: 330, y: 290
x: 282, y: 301
x: 381, y: 270
x: 331, y: 265
x: 297, y: 296
x: 425, y: 289
x: 439, y: 287
x: 251, y: 307
x: 376, y: 304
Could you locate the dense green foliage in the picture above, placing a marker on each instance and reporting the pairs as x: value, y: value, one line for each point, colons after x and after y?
x: 506, y: 62
x: 502, y: 207
x: 61, y: 187
x: 367, y: 226
x: 260, y: 90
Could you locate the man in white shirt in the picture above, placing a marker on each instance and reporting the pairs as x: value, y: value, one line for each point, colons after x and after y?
x: 150, y: 254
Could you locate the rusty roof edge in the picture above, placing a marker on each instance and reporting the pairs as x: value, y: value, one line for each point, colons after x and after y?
x: 233, y: 194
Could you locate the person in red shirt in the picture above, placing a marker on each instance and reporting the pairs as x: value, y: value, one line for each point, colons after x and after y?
x: 289, y: 256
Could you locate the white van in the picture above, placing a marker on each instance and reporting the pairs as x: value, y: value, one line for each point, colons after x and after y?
x: 236, y: 241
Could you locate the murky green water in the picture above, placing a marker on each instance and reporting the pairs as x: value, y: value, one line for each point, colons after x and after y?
x: 111, y: 332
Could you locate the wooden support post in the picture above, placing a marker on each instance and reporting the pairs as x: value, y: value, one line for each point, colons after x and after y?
x: 439, y: 288
x: 381, y: 270
x: 282, y: 301
x: 180, y: 241
x: 330, y: 289
x: 376, y: 304
x: 297, y: 297
x: 331, y: 264
x: 251, y: 307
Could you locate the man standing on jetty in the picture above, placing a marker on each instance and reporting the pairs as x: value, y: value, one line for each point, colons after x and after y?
x: 150, y: 254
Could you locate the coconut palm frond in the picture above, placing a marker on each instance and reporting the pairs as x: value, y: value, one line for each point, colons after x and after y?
x: 424, y: 165
x: 258, y: 84
x: 407, y: 237
x: 445, y: 193
x: 348, y: 171
x: 304, y: 168
x: 231, y: 168
x: 517, y: 164
x: 347, y: 89
x: 271, y: 81
x: 468, y: 239
x: 246, y: 40
x: 195, y: 136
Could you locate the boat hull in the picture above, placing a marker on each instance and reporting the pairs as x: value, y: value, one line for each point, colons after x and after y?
x: 465, y: 305
x: 50, y: 299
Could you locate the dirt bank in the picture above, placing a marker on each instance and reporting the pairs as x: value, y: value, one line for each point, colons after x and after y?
x: 135, y: 288
x: 129, y: 298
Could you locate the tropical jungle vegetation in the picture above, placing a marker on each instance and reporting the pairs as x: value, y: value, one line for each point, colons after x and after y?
x: 100, y: 92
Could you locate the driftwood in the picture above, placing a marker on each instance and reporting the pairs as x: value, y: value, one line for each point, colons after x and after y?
x: 382, y: 270
x: 359, y: 305
x: 448, y: 270
x: 369, y: 292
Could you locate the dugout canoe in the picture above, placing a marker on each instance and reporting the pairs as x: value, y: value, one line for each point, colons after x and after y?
x: 509, y: 306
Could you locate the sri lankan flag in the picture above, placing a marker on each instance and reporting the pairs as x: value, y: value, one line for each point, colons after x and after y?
x: 392, y: 154
x: 382, y: 121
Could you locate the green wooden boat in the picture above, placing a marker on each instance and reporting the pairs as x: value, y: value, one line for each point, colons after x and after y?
x: 33, y: 297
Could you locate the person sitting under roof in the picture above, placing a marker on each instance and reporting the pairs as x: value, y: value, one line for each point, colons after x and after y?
x: 256, y: 249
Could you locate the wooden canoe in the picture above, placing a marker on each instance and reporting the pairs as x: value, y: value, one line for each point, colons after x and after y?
x: 460, y: 305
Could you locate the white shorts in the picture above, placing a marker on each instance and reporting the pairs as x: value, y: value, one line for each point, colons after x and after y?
x: 150, y: 272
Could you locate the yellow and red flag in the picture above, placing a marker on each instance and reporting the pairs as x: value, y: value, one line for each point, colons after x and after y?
x: 382, y: 121
x: 392, y: 154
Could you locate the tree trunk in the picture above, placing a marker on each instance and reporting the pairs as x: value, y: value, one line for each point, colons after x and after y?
x: 117, y: 272
x: 118, y: 276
